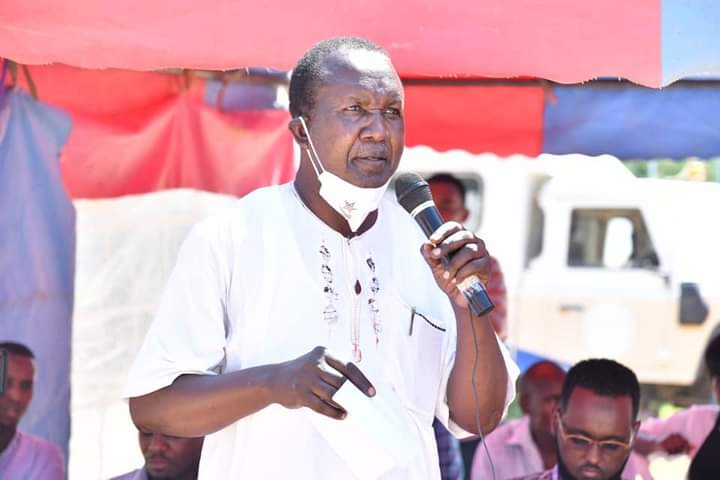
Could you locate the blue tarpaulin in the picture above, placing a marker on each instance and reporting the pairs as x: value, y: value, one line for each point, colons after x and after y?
x: 633, y: 122
x: 37, y: 255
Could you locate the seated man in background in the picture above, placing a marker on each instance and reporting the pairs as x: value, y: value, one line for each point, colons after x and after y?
x: 596, y: 424
x: 449, y: 195
x: 167, y: 458
x: 695, y: 431
x: 526, y: 445
x: 23, y: 456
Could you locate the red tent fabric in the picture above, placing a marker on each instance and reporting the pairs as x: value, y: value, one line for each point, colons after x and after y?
x: 178, y: 143
x: 105, y: 92
x: 111, y: 107
x: 137, y: 132
x: 500, y: 119
x: 562, y: 40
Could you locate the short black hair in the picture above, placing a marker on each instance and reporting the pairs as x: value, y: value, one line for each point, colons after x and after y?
x: 17, y: 349
x: 712, y: 356
x: 603, y: 377
x: 309, y: 72
x: 451, y: 179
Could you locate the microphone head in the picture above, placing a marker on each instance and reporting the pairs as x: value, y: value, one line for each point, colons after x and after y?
x: 411, y: 190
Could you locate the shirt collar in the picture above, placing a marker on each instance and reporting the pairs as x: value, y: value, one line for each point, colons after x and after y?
x: 521, y: 432
x: 555, y: 473
x: 290, y: 187
x: 11, y: 446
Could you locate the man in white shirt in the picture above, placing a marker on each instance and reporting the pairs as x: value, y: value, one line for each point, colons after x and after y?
x: 261, y: 296
x: 23, y: 455
x: 166, y: 458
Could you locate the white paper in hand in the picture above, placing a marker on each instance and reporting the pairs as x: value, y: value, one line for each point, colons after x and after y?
x: 377, y: 435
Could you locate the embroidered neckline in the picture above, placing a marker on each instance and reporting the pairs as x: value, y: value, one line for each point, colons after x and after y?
x: 330, y: 314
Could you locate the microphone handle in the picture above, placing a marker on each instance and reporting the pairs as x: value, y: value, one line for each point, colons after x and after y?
x: 472, y: 287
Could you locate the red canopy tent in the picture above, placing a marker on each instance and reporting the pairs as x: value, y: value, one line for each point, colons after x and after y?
x: 646, y: 41
x: 562, y: 40
x: 650, y: 42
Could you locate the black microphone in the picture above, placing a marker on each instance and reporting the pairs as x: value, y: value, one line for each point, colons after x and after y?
x: 413, y: 193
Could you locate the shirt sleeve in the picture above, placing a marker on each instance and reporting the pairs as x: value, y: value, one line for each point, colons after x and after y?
x: 442, y: 412
x: 657, y: 429
x: 188, y: 333
x: 694, y: 423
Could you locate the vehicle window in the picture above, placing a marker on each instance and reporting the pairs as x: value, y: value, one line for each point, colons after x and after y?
x: 473, y: 200
x: 612, y: 238
x: 536, y: 232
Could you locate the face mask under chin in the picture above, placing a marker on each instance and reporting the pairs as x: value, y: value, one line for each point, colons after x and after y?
x: 353, y: 203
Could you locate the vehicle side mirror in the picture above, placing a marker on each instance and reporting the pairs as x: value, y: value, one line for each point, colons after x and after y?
x: 693, y: 310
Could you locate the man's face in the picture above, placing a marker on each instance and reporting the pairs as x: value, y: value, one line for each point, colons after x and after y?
x: 449, y: 201
x: 541, y: 403
x: 601, y: 419
x: 169, y: 457
x: 18, y: 392
x: 357, y: 124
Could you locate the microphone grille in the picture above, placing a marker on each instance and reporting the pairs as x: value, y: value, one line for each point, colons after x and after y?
x: 411, y: 190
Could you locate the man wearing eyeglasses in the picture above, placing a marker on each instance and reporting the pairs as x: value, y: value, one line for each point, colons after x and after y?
x: 596, y: 424
x: 525, y: 445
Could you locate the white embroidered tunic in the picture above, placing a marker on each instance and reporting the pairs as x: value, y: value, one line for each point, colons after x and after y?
x: 267, y: 282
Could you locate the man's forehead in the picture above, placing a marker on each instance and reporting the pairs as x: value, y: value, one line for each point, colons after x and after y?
x: 550, y: 386
x: 545, y: 382
x: 366, y: 60
x: 586, y: 407
x: 364, y: 70
x: 447, y: 190
x: 20, y: 364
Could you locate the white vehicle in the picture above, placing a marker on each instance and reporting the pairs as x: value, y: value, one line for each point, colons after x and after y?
x: 597, y: 262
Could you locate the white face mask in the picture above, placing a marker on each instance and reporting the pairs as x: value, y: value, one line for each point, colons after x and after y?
x: 352, y: 202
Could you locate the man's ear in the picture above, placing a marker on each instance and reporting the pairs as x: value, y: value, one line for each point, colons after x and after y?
x: 465, y: 214
x: 298, y: 132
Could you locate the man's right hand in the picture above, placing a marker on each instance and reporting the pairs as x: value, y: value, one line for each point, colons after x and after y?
x: 312, y: 380
x: 675, y: 444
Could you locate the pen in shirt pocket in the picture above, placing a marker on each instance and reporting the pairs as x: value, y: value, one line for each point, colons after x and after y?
x: 414, y: 313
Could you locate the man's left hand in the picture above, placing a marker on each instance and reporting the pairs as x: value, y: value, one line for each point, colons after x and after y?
x: 467, y: 257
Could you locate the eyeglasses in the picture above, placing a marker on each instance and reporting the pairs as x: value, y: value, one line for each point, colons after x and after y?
x: 583, y: 443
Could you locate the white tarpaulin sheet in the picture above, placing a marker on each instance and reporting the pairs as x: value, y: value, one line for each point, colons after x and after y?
x: 126, y: 249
